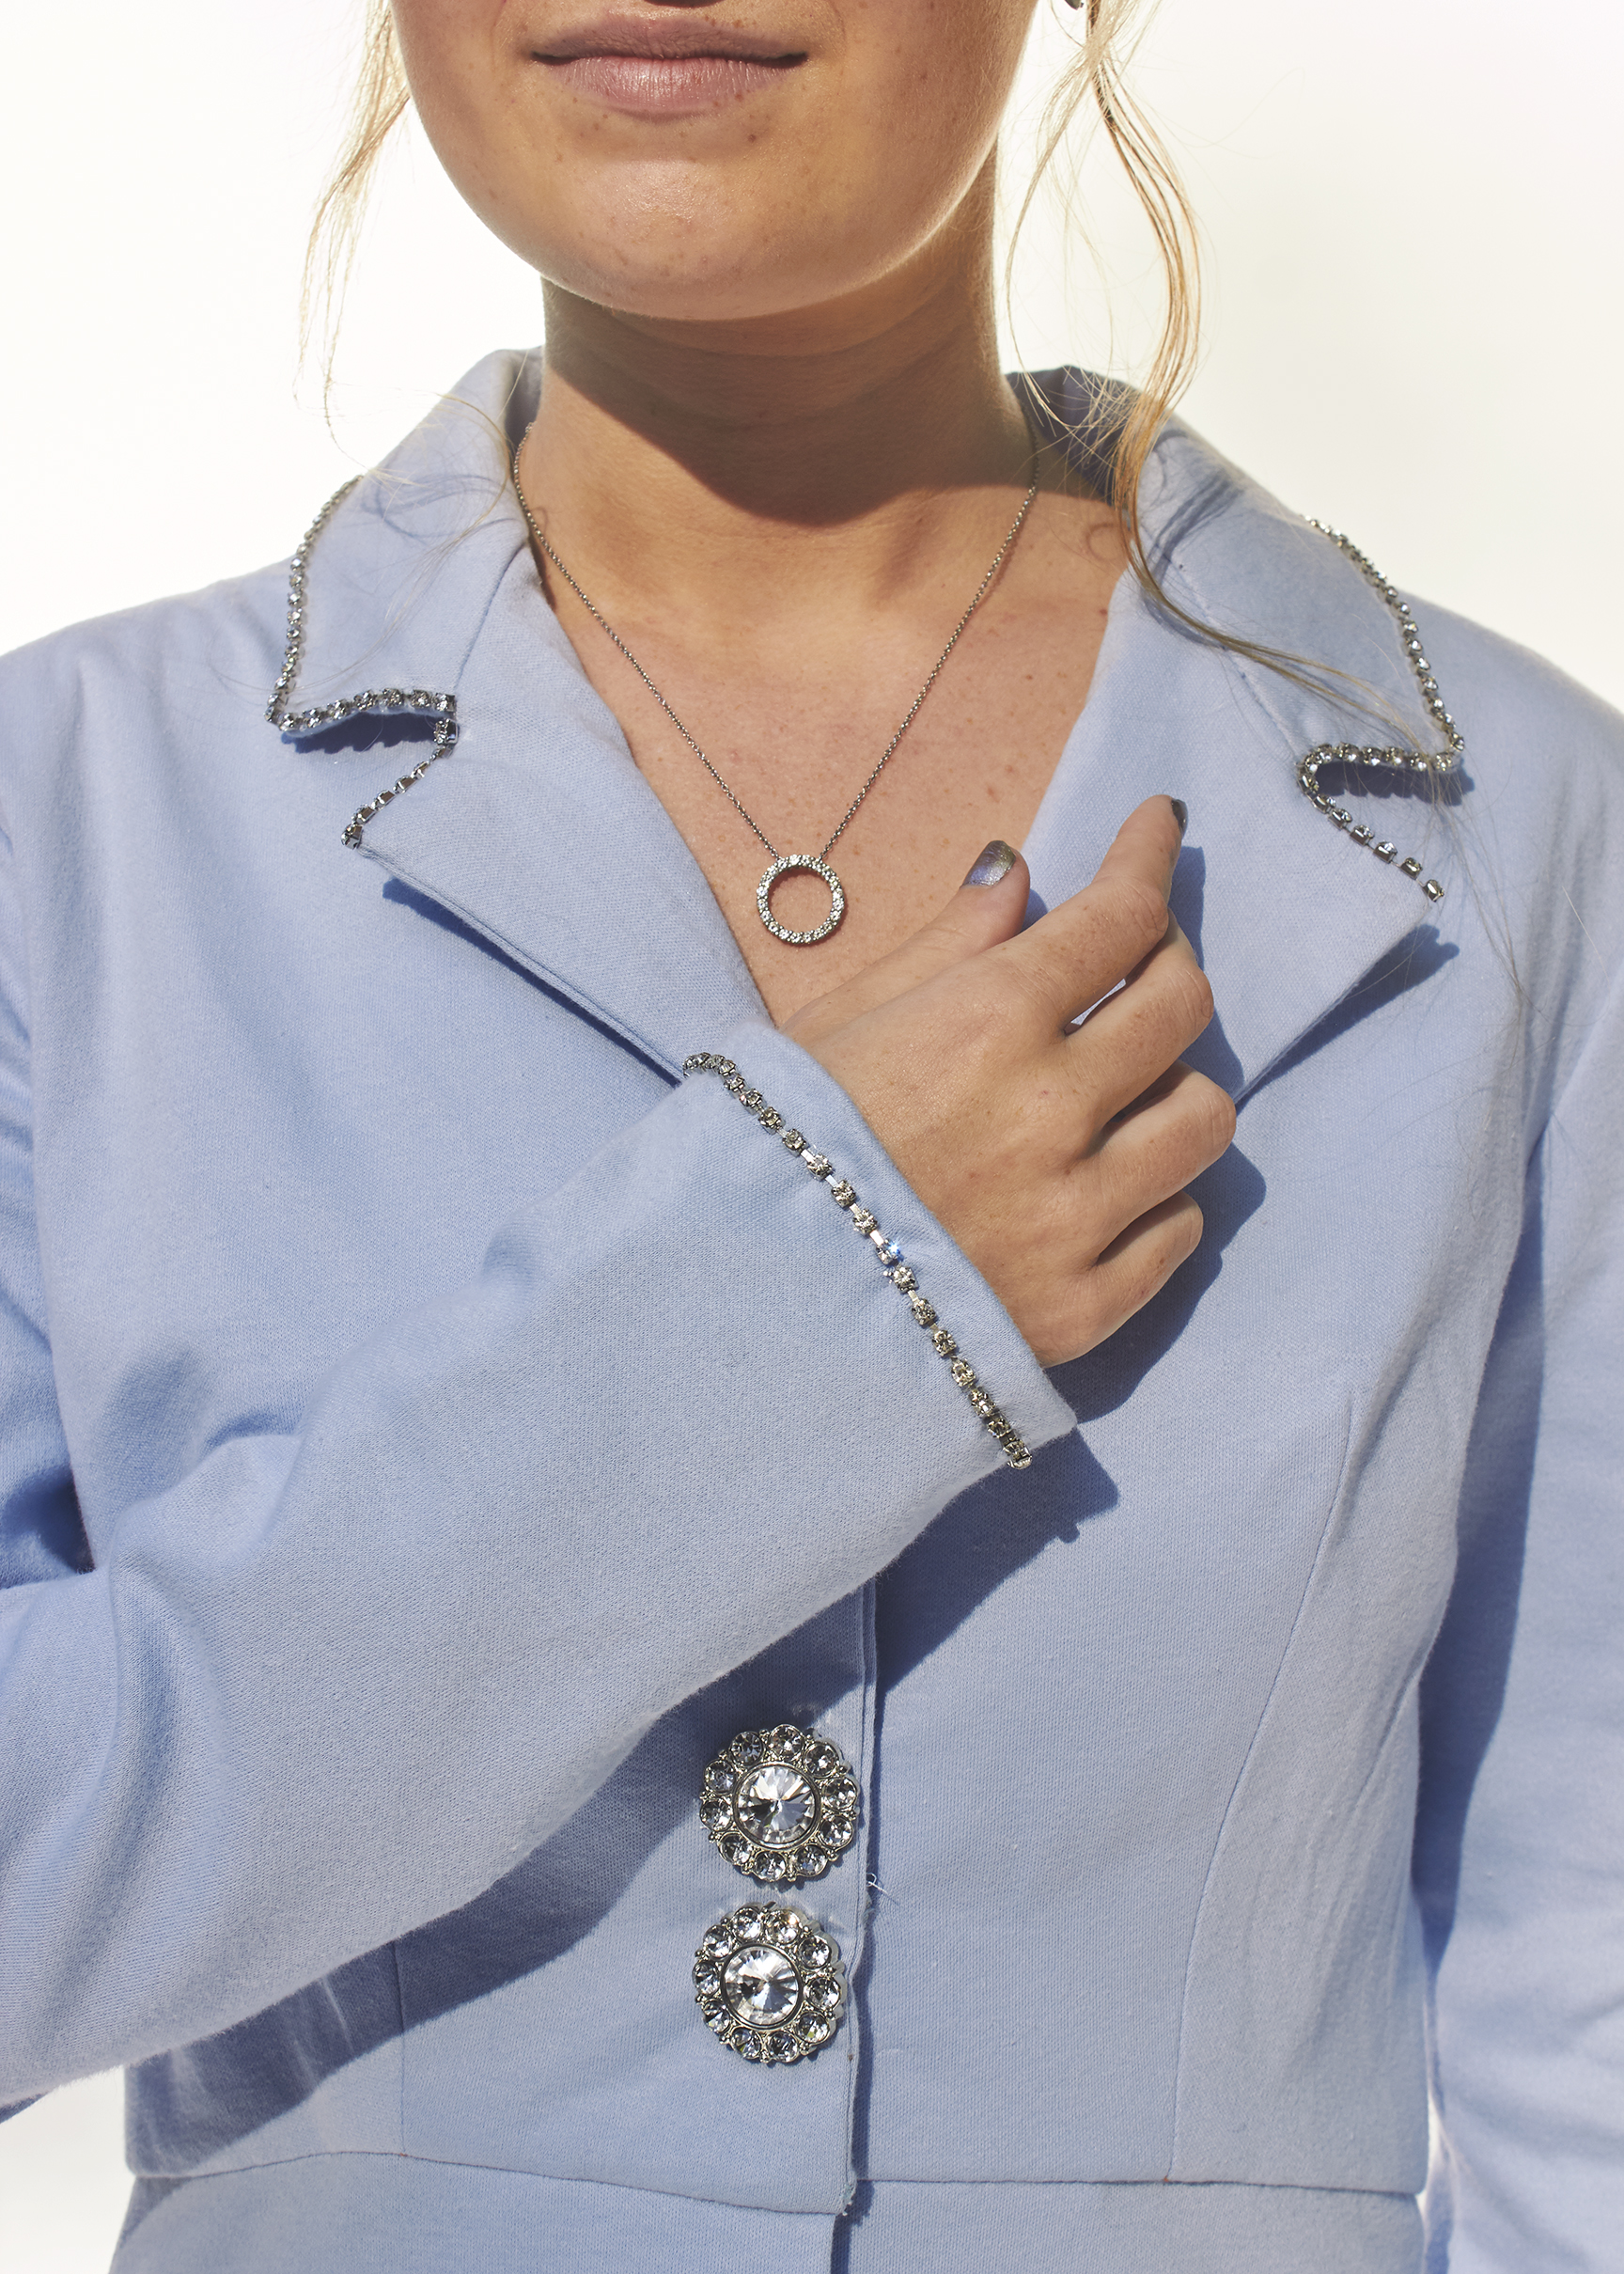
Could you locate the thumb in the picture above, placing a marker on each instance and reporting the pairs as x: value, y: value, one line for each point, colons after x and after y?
x: 988, y: 908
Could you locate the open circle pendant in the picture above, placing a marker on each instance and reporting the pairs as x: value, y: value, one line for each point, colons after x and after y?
x: 814, y: 866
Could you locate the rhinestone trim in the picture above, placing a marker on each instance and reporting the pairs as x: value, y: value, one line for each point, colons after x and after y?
x: 823, y: 1836
x: 796, y: 1956
x: 290, y: 724
x: 1409, y: 762
x: 892, y: 1261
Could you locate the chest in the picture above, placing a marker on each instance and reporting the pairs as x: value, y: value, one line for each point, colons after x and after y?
x: 802, y: 728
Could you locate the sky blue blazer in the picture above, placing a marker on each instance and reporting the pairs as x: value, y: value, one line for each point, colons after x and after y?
x: 433, y: 1428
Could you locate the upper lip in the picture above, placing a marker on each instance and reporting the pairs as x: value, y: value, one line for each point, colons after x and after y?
x: 674, y: 38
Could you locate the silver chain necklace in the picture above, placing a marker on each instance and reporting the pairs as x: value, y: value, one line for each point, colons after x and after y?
x: 816, y: 864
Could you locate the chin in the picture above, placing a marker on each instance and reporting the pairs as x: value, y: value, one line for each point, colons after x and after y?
x: 672, y: 269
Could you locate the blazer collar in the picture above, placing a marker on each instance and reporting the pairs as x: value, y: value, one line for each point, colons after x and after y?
x: 539, y: 831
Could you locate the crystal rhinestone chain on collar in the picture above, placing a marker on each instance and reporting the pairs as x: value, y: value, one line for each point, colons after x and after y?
x: 780, y: 1804
x: 1430, y: 768
x: 424, y: 702
x: 440, y: 706
x: 770, y: 1983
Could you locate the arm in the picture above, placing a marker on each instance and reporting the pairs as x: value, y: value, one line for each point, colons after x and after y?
x: 336, y: 1682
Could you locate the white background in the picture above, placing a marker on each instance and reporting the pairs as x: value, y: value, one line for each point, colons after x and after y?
x: 1415, y: 331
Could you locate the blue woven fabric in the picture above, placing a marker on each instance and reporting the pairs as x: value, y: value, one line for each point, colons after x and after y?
x: 431, y: 1428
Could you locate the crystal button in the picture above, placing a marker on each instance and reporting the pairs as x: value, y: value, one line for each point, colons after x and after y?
x: 780, y: 1804
x: 773, y: 1805
x: 769, y: 1984
x: 761, y: 1984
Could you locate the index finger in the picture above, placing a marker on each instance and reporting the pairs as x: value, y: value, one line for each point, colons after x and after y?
x: 1072, y: 957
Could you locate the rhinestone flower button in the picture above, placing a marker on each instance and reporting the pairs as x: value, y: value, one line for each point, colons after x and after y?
x: 780, y: 1804
x: 770, y: 1983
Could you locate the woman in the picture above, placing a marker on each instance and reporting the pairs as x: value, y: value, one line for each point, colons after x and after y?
x: 563, y: 1708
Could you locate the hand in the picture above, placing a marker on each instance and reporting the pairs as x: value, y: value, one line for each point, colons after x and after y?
x: 1056, y: 1155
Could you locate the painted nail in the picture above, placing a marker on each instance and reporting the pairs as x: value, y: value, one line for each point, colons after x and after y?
x: 994, y: 862
x: 1180, y: 813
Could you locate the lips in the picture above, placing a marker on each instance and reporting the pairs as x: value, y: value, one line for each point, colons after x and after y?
x: 672, y: 70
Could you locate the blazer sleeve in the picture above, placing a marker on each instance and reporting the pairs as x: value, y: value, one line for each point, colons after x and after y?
x: 338, y: 1682
x: 1520, y: 1857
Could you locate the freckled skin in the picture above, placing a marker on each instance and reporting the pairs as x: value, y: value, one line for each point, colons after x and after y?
x: 774, y: 445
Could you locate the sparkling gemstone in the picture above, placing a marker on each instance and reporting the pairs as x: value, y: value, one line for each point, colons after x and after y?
x: 788, y: 1927
x: 923, y: 1312
x: 750, y: 1747
x: 863, y: 1220
x: 984, y: 1405
x: 747, y: 2042
x: 842, y: 1193
x: 904, y: 1279
x: 770, y: 1866
x: 813, y: 1862
x: 942, y: 1343
x: 818, y: 1162
x: 794, y: 1141
x: 748, y: 1922
x: 776, y: 1804
x: 818, y: 1951
x: 822, y: 1760
x: 751, y: 1100
x: 717, y: 1941
x: 781, y: 2047
x: 707, y: 1979
x: 822, y: 1991
x: 719, y: 1777
x: 760, y: 1985
x: 813, y: 2032
x: 790, y: 1742
x: 963, y: 1373
x: 838, y: 1832
x: 737, y: 1851
x: 717, y: 2017
x: 715, y: 1815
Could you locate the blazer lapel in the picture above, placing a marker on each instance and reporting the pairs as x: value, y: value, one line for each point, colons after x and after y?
x: 539, y: 831
x: 1287, y: 912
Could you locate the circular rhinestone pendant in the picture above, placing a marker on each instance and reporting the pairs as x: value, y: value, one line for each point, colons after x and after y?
x: 780, y: 1805
x: 769, y: 1984
x: 814, y: 865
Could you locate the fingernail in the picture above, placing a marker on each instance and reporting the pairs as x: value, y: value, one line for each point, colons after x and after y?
x: 994, y: 862
x: 1180, y: 813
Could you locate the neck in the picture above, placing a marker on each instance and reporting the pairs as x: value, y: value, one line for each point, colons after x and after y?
x: 816, y: 457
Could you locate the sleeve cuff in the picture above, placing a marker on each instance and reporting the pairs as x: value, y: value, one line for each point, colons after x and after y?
x: 977, y: 1367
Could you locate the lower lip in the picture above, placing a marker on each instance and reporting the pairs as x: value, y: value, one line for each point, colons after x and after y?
x: 667, y: 86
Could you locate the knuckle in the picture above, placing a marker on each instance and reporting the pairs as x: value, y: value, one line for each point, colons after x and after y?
x: 1191, y: 993
x: 1217, y: 1111
x: 1140, y: 913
